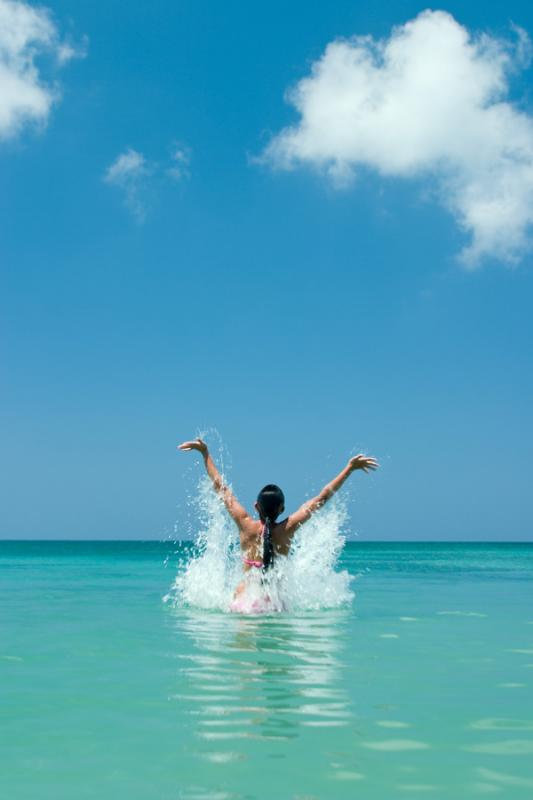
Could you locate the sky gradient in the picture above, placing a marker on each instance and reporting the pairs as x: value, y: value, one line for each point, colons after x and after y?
x: 302, y: 320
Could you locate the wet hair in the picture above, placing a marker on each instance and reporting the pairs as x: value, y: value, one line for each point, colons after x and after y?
x: 270, y: 501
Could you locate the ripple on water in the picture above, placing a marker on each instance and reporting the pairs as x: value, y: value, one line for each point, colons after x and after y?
x: 346, y: 775
x: 510, y: 747
x: 262, y: 679
x: 504, y: 778
x: 324, y: 723
x: 484, y: 788
x: 200, y: 698
x: 392, y: 723
x: 332, y: 710
x: 213, y: 723
x: 389, y: 636
x: 321, y: 692
x: 212, y: 736
x: 396, y: 745
x: 502, y: 724
x: 223, y: 757
x: 512, y: 685
x: 207, y: 794
x: 417, y: 787
x: 461, y: 614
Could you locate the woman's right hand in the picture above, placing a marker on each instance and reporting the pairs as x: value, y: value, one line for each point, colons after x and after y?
x: 195, y: 444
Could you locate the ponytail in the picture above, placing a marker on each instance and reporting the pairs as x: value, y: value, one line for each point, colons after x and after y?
x: 270, y: 502
x: 268, y: 545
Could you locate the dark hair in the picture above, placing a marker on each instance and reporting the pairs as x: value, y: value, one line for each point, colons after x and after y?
x: 270, y: 501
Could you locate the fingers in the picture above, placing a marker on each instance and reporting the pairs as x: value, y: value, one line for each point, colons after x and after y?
x: 366, y: 463
x: 195, y: 444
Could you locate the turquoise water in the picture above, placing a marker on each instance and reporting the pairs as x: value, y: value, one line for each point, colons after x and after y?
x: 421, y: 685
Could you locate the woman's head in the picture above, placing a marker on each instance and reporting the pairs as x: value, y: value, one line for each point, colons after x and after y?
x: 270, y: 502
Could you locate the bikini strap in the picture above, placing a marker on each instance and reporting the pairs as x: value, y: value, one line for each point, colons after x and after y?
x: 251, y: 563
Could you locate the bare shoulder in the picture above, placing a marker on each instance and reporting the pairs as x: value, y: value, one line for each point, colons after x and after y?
x: 282, y: 535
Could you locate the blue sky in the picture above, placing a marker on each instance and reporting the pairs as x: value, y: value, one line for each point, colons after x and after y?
x: 303, y: 319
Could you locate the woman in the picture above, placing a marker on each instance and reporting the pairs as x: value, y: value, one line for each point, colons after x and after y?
x: 263, y: 540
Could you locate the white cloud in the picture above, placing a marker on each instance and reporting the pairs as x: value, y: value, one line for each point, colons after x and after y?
x: 66, y: 50
x: 131, y: 165
x: 135, y: 176
x: 129, y: 172
x: 26, y: 33
x: 430, y: 101
x: 181, y: 158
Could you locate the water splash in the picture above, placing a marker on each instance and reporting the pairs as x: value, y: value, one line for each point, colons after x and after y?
x: 308, y: 579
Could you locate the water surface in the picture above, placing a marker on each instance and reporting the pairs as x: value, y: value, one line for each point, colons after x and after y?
x: 422, y: 684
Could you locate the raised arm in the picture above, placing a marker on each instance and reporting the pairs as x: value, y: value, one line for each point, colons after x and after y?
x: 311, y: 506
x: 235, y: 509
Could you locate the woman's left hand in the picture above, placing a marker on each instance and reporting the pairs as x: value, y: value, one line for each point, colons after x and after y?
x: 363, y: 462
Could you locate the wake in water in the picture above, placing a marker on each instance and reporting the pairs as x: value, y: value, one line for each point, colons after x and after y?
x: 308, y: 579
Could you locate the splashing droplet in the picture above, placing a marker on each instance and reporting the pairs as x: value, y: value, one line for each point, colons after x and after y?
x: 308, y: 579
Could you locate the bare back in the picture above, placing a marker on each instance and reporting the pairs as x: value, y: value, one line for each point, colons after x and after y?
x: 251, y: 538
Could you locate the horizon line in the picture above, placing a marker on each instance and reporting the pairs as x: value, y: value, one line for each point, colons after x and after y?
x: 348, y: 541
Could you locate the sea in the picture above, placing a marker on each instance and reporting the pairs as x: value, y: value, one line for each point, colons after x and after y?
x: 395, y: 670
